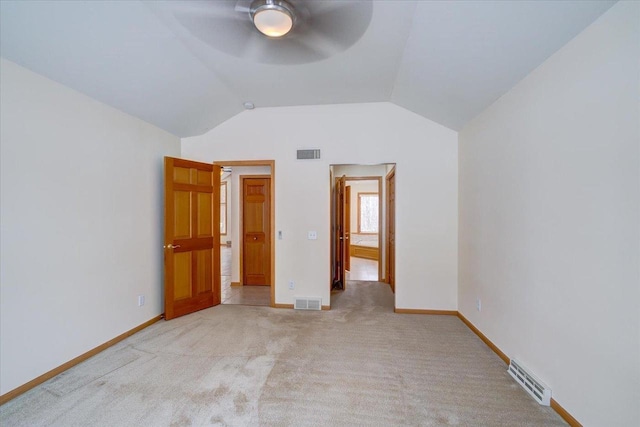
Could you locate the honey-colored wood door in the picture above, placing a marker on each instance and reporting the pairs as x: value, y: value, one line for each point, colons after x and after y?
x: 347, y: 228
x: 336, y: 256
x: 256, y: 231
x: 391, y: 229
x: 192, y: 236
x: 340, y: 249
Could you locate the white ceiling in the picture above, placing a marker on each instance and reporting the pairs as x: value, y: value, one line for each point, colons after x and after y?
x: 445, y: 60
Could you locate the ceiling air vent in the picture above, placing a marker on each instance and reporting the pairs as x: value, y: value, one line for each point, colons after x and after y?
x: 308, y: 154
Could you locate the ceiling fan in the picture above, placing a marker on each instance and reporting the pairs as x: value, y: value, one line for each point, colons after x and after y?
x: 274, y: 31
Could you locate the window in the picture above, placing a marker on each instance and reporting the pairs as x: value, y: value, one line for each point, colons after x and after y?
x: 367, y: 213
x: 223, y: 208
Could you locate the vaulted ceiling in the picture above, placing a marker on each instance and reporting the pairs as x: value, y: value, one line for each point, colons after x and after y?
x: 444, y: 60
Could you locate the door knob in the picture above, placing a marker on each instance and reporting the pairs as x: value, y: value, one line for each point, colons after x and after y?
x: 170, y: 246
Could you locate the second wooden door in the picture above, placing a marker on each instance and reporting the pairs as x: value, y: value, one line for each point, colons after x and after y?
x: 256, y: 231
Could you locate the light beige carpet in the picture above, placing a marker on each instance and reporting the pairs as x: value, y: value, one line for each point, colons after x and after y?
x: 358, y: 364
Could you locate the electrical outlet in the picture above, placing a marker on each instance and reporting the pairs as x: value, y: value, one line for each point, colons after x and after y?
x: 479, y: 304
x: 292, y: 284
x: 312, y: 235
x: 140, y: 300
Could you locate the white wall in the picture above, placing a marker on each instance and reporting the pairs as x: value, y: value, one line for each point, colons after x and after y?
x: 426, y: 155
x: 549, y: 221
x: 80, y: 223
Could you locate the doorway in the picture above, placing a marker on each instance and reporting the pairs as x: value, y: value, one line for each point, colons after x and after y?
x: 242, y: 282
x: 365, y: 228
x: 358, y: 224
x: 198, y: 254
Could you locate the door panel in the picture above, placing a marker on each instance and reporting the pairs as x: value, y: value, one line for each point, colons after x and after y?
x: 181, y: 175
x: 205, y: 219
x: 182, y: 275
x: 256, y: 229
x: 347, y: 228
x: 339, y: 280
x: 182, y: 217
x: 192, y: 260
x: 391, y: 229
x: 203, y: 177
x: 204, y: 270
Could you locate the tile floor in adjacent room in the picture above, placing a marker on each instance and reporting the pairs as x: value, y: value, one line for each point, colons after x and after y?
x: 363, y: 269
x: 243, y: 295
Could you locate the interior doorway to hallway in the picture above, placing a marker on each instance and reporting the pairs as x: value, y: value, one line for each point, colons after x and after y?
x: 359, y: 223
x: 247, y: 253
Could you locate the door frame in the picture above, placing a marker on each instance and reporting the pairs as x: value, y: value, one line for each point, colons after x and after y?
x: 241, y: 179
x: 379, y: 180
x: 272, y: 213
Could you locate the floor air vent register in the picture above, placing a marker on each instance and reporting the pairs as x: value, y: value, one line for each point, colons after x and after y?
x: 308, y: 304
x: 536, y: 388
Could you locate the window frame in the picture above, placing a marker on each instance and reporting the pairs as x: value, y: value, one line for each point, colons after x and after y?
x: 359, y: 214
x: 223, y: 212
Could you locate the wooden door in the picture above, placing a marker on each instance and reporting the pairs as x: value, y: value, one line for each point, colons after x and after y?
x: 339, y: 278
x: 192, y: 236
x: 391, y: 229
x: 256, y: 231
x: 347, y: 228
x: 342, y: 232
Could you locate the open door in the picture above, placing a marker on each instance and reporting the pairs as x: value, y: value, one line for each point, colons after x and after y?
x: 391, y: 230
x: 191, y: 238
x: 347, y: 228
x: 341, y: 234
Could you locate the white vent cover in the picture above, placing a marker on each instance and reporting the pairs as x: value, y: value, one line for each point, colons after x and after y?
x: 308, y: 304
x: 308, y: 154
x: 536, y: 388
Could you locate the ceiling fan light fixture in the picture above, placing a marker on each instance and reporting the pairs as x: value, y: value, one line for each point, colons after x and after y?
x: 273, y: 18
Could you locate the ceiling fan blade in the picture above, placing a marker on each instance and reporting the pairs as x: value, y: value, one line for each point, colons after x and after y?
x: 314, y: 45
x: 220, y: 32
x: 319, y: 33
x: 286, y: 51
x: 342, y: 23
x: 243, y: 6
x: 323, y: 28
x: 221, y: 8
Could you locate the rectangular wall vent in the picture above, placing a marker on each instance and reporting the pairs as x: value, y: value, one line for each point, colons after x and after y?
x: 308, y: 154
x: 308, y: 304
x: 536, y: 388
